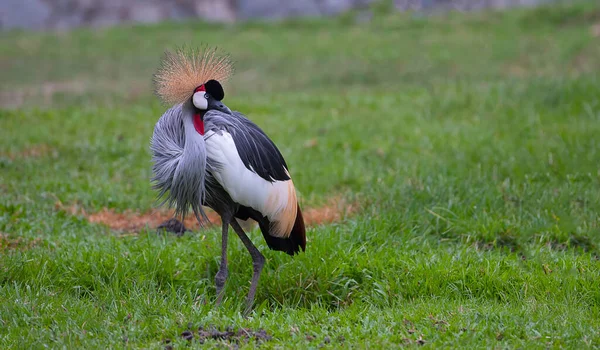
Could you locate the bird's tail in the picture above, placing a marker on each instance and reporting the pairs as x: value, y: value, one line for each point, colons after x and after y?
x: 291, y: 244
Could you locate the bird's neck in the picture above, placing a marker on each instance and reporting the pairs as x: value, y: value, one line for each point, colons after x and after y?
x: 198, y: 121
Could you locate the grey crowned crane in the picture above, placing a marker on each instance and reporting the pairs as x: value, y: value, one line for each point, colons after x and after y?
x: 204, y: 154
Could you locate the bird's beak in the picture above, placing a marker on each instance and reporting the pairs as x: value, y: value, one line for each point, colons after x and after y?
x: 218, y: 105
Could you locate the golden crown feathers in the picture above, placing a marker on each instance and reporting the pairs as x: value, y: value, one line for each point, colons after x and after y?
x: 187, y: 68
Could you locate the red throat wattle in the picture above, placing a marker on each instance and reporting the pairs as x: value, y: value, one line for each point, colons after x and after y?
x: 198, y: 123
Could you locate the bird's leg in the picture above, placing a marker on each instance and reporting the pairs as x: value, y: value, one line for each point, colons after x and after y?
x: 258, y: 261
x: 222, y: 273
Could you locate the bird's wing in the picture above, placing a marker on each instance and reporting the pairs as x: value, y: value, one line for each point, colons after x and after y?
x: 251, y: 169
x: 255, y: 149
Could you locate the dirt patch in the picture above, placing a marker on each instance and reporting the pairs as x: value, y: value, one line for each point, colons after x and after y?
x: 502, y: 240
x: 242, y: 335
x: 519, y: 68
x: 42, y: 93
x: 132, y: 221
x: 595, y: 30
x: 35, y: 151
x: 334, y: 210
x: 575, y: 242
x: 16, y: 243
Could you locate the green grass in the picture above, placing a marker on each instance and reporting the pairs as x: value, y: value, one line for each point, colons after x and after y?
x: 470, y: 142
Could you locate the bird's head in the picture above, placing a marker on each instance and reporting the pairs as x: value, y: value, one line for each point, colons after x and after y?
x: 208, y: 96
x: 194, y: 77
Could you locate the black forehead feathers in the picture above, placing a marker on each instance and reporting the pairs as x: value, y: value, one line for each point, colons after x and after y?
x: 215, y: 89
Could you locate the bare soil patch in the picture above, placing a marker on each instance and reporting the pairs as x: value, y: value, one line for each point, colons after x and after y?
x: 34, y: 151
x: 16, y: 243
x: 595, y: 30
x: 334, y: 210
x: 48, y: 93
x: 242, y: 335
x: 42, y: 93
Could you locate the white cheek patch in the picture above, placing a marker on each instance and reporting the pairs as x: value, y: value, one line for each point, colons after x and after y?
x: 200, y: 101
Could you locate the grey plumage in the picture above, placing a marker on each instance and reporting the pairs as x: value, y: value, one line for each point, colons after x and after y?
x: 179, y: 163
x: 185, y: 176
x: 182, y: 170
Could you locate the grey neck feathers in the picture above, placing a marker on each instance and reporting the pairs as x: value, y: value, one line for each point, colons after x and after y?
x: 179, y: 156
x: 190, y: 174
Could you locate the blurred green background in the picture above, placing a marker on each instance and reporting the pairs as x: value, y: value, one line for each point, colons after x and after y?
x: 468, y: 143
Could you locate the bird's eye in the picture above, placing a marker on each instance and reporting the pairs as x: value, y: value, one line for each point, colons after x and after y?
x: 206, y: 96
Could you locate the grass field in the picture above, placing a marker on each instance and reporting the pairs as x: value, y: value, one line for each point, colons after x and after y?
x: 469, y: 144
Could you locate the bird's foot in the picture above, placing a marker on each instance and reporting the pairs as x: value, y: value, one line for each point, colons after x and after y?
x: 219, y: 299
x: 249, y: 308
x: 220, y: 279
x: 172, y: 225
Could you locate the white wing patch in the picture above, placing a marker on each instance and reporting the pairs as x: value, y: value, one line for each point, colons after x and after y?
x: 275, y: 200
